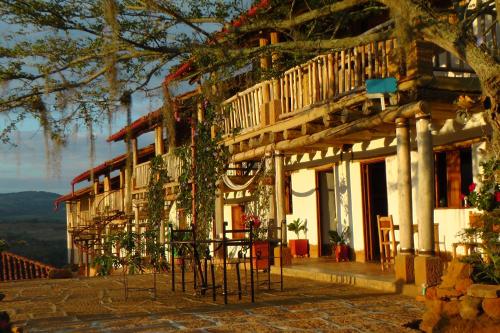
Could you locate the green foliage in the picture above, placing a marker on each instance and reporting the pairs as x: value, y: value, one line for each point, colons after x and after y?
x: 485, y: 232
x: 487, y: 198
x: 341, y: 238
x: 3, y: 245
x: 103, y: 264
x: 156, y: 211
x: 211, y: 158
x: 297, y: 226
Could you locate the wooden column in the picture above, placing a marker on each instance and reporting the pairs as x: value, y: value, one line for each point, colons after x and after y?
x: 127, y: 200
x: 107, y: 183
x: 275, y: 57
x: 133, y: 141
x: 159, y: 143
x: 219, y: 208
x: 269, y: 169
x: 264, y: 60
x: 279, y: 169
x: 137, y: 226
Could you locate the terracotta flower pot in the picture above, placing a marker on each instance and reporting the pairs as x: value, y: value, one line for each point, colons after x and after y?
x: 341, y: 252
x: 260, y: 252
x: 299, y: 247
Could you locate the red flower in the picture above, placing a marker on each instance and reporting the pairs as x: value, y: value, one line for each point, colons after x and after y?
x: 462, y: 196
x: 256, y: 223
x: 472, y: 187
x: 497, y: 196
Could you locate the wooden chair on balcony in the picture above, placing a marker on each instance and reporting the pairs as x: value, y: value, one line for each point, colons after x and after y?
x: 387, y: 241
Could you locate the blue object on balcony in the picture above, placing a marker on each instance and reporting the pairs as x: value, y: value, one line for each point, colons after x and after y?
x: 382, y: 86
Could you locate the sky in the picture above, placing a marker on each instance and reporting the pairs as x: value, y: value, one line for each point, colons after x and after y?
x: 25, y: 167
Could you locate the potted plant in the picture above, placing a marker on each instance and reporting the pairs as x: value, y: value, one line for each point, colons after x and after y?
x: 260, y: 245
x: 298, y: 247
x: 339, y: 243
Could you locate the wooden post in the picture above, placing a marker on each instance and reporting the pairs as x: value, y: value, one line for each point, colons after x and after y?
x: 219, y: 207
x: 279, y: 169
x: 134, y: 152
x: 269, y: 171
x: 159, y: 144
x: 264, y: 61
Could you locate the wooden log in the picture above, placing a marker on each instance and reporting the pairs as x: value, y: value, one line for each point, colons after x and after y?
x: 264, y: 139
x: 244, y: 145
x: 234, y: 149
x: 275, y: 136
x: 387, y: 116
x: 310, y: 128
x: 290, y: 134
x: 331, y: 79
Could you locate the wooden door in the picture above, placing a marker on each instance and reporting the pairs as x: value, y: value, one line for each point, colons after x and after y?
x: 237, y: 220
x: 374, y: 195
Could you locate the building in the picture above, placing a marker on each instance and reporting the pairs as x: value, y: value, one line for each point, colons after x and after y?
x: 348, y: 135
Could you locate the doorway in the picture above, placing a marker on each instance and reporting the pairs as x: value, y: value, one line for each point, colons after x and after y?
x: 374, y: 191
x: 327, y: 210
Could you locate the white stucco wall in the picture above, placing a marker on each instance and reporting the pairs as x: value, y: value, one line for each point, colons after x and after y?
x: 304, y: 203
x: 349, y: 201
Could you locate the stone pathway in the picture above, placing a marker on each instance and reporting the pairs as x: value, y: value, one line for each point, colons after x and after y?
x: 98, y: 305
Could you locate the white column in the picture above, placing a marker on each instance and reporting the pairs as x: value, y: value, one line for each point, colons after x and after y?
x: 404, y: 186
x: 425, y: 202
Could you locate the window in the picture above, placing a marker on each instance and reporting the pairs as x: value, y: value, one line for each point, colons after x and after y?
x: 453, y: 172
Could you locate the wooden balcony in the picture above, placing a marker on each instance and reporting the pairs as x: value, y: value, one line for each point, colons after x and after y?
x: 142, y: 171
x: 330, y: 90
x: 108, y: 202
x: 323, y: 78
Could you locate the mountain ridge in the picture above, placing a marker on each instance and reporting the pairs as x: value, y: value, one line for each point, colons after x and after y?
x: 30, y: 205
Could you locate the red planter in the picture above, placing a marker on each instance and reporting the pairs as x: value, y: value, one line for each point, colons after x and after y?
x: 341, y: 252
x: 299, y: 247
x: 260, y: 252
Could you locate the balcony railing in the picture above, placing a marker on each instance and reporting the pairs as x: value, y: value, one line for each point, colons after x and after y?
x: 322, y: 78
x: 142, y: 171
x: 107, y: 202
x: 15, y: 267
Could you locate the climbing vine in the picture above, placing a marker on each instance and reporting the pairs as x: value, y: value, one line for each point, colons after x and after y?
x: 156, y: 212
x: 210, y: 161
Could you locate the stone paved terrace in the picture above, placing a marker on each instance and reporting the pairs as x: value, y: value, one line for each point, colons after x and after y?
x: 98, y: 305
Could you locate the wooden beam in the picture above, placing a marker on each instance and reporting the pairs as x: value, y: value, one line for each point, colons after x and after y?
x: 244, y: 146
x: 234, y: 149
x: 290, y: 134
x: 386, y: 116
x: 294, y: 122
x: 310, y: 128
x: 264, y: 139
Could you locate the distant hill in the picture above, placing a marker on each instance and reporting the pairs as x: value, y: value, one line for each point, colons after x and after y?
x: 30, y: 205
x: 29, y: 223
